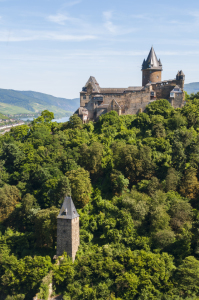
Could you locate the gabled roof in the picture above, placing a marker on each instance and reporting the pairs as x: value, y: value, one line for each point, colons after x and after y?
x: 94, y: 83
x: 152, y: 62
x: 177, y: 89
x: 68, y: 210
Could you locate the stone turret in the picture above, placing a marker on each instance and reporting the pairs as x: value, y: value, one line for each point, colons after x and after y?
x: 180, y: 78
x: 68, y: 229
x: 151, y: 69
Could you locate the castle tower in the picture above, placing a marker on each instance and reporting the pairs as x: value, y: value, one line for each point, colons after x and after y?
x: 68, y: 229
x: 180, y: 78
x: 151, y: 69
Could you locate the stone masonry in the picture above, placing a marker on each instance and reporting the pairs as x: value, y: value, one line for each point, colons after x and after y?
x: 95, y: 101
x: 68, y: 229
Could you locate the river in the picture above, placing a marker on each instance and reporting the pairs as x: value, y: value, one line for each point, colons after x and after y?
x: 61, y: 120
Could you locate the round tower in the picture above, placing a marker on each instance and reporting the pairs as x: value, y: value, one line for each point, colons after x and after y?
x: 151, y: 69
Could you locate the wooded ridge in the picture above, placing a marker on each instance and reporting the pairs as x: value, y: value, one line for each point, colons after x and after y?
x: 134, y: 180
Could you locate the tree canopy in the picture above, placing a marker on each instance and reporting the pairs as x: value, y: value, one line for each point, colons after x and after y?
x: 135, y: 182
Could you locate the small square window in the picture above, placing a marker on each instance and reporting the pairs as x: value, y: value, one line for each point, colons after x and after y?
x: 84, y: 97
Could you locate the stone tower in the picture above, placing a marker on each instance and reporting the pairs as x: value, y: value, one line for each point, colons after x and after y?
x: 68, y: 229
x: 151, y: 69
x: 180, y: 78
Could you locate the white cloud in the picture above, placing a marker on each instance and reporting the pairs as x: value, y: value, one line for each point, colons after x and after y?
x: 108, y: 23
x: 195, y: 14
x: 72, y: 3
x: 142, y: 17
x: 107, y: 15
x: 59, y: 19
x: 7, y: 36
x: 115, y: 29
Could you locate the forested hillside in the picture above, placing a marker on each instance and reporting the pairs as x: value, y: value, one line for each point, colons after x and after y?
x: 2, y: 117
x: 135, y: 182
x: 27, y: 102
x: 192, y: 87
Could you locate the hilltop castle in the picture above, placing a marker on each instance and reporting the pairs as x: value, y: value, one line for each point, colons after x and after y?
x: 95, y: 101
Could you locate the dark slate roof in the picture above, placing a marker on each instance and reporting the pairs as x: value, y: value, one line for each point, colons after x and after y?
x: 152, y: 62
x: 68, y: 210
x: 181, y: 73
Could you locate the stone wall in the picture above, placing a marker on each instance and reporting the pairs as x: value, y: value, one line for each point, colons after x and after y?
x: 164, y: 88
x: 130, y: 102
x: 151, y: 76
x: 67, y: 236
x: 82, y: 100
x: 75, y: 237
x: 178, y: 101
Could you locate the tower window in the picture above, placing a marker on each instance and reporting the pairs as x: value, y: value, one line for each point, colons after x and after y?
x: 157, y: 77
x: 84, y: 97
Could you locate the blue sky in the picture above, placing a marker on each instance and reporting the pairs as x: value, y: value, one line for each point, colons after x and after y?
x: 53, y: 46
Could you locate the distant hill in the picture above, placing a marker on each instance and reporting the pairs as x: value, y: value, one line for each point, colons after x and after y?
x: 2, y: 117
x: 192, y: 87
x: 28, y: 102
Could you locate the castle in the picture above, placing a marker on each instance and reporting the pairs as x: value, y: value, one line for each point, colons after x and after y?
x: 68, y: 229
x: 96, y: 101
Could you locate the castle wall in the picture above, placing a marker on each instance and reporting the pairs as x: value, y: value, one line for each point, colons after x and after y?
x: 164, y: 88
x: 67, y: 236
x: 130, y: 102
x: 82, y: 100
x: 151, y: 76
x: 178, y: 101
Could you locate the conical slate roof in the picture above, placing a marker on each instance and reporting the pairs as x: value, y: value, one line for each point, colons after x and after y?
x: 68, y: 210
x: 152, y: 62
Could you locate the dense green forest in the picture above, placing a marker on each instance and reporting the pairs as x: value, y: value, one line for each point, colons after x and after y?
x: 135, y: 182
